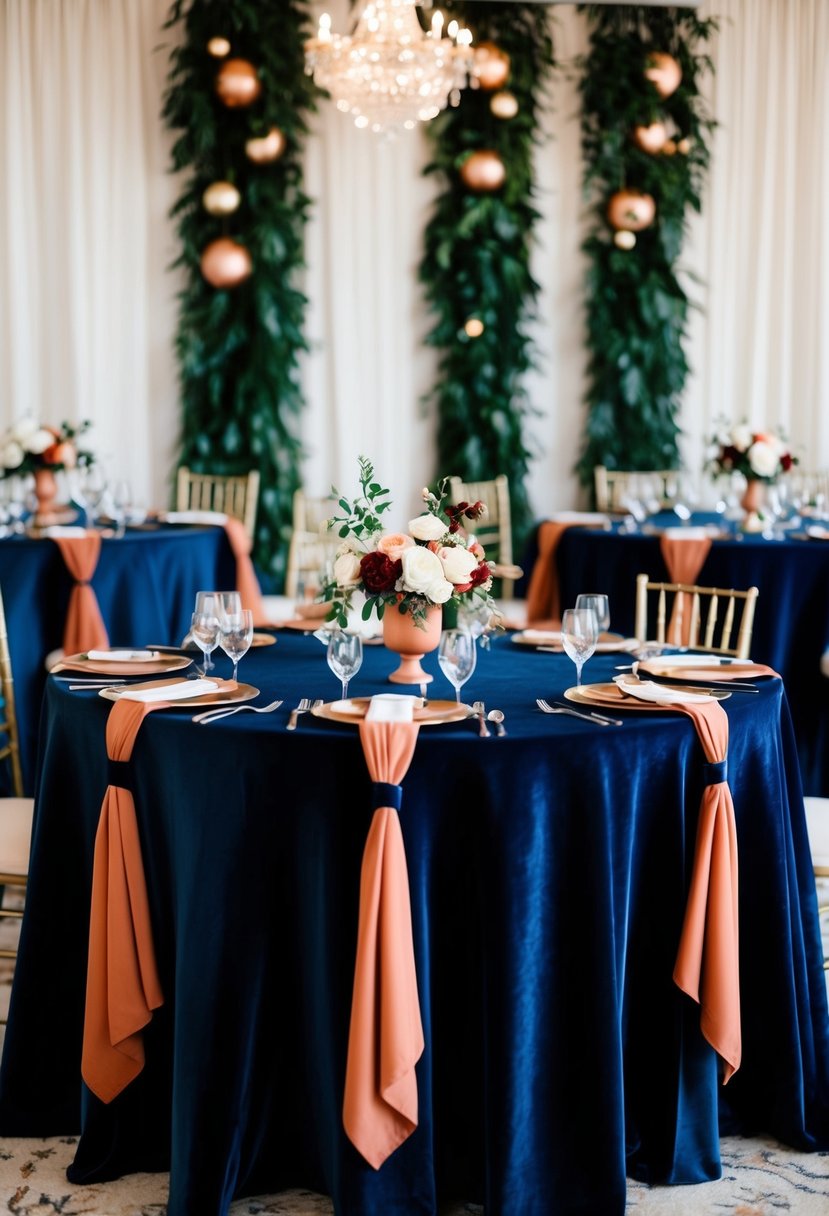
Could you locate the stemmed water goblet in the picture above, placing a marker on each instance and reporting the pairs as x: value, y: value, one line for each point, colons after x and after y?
x: 204, y: 630
x: 579, y: 633
x: 217, y: 604
x: 345, y: 656
x: 600, y: 606
x: 457, y: 656
x: 236, y: 635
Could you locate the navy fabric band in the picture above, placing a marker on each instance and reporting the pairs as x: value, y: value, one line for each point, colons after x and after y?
x: 387, y: 795
x: 83, y: 582
x: 714, y: 774
x: 119, y: 772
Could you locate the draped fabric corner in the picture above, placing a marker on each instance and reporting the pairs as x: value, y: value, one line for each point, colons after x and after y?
x: 380, y: 1107
x: 247, y: 584
x: 84, y: 628
x: 707, y: 964
x: 122, y: 987
x: 543, y: 600
x: 683, y: 560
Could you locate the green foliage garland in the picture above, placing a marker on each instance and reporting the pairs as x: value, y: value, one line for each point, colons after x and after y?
x: 476, y: 259
x: 238, y: 349
x: 636, y: 307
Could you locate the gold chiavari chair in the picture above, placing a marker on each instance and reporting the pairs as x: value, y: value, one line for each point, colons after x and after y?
x: 661, y: 609
x: 494, y: 530
x: 237, y: 496
x: 16, y: 812
x: 613, y: 487
x: 310, y: 547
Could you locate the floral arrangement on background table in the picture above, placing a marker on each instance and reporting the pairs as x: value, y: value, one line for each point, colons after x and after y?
x: 28, y: 446
x: 431, y: 564
x: 758, y: 455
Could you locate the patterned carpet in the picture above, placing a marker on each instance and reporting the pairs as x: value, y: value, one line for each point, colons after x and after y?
x: 760, y: 1178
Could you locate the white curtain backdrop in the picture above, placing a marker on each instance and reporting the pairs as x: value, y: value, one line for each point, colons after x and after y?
x: 87, y: 302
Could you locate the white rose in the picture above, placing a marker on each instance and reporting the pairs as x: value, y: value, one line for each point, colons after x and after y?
x: 24, y: 429
x: 741, y: 438
x: 427, y: 527
x: 458, y: 563
x: 39, y: 442
x: 763, y: 458
x: 12, y: 454
x: 347, y: 570
x: 439, y: 591
x: 421, y: 570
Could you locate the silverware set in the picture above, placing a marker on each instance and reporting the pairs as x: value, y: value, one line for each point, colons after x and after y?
x: 304, y: 707
x: 213, y: 715
x: 587, y: 716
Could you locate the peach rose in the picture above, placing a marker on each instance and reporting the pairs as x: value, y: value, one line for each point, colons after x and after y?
x: 393, y: 544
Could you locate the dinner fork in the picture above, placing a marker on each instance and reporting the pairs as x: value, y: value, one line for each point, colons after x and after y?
x: 599, y: 719
x: 304, y: 706
x: 213, y: 715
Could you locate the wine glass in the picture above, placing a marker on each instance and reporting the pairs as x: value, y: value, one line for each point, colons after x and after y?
x: 457, y: 656
x: 579, y: 632
x: 600, y: 606
x: 345, y: 656
x: 236, y: 635
x: 218, y: 604
x: 204, y: 630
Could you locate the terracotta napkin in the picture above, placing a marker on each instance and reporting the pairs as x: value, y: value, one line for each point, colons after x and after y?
x: 84, y: 628
x: 122, y: 985
x: 707, y: 964
x: 684, y: 557
x: 543, y: 599
x: 386, y: 1035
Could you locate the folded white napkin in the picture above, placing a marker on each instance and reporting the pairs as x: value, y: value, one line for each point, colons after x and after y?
x: 392, y: 707
x: 646, y: 690
x: 59, y: 530
x: 171, y: 692
x: 195, y: 517
x: 579, y: 517
x: 548, y: 637
x: 122, y: 656
x: 687, y: 533
x: 697, y: 660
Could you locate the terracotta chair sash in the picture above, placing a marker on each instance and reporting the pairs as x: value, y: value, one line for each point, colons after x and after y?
x: 84, y: 628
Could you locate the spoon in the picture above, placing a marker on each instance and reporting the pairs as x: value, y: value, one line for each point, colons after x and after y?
x: 497, y: 716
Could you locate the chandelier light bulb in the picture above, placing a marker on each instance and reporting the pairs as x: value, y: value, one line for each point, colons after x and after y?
x: 390, y: 73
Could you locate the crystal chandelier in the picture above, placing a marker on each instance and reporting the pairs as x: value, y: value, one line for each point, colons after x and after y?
x: 391, y: 73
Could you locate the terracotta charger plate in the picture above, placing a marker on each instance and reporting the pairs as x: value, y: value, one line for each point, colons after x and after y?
x: 161, y: 664
x: 609, y: 695
x: 608, y: 643
x: 356, y: 708
x: 228, y: 693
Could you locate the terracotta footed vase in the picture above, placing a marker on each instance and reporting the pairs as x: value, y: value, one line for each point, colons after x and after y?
x: 402, y: 634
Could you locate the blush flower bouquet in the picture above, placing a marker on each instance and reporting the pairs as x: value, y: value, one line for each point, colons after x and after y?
x: 28, y: 446
x: 758, y: 455
x: 432, y: 563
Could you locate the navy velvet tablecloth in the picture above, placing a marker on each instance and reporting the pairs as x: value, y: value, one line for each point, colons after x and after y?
x: 548, y: 874
x: 145, y: 582
x: 791, y: 621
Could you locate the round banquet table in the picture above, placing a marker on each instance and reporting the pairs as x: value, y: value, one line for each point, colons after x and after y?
x: 548, y: 872
x: 145, y: 584
x: 791, y: 621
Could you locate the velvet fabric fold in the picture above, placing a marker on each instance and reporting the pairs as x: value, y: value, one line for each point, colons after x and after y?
x: 543, y: 599
x: 247, y: 584
x: 707, y: 965
x: 122, y: 987
x: 380, y: 1106
x: 84, y: 628
x: 684, y: 558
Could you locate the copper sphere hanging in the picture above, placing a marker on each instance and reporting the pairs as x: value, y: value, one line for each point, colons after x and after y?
x: 237, y: 83
x: 225, y: 263
x: 221, y: 198
x: 491, y: 66
x: 651, y: 139
x: 483, y: 171
x: 504, y: 104
x: 218, y: 47
x: 663, y: 72
x: 631, y: 210
x: 266, y: 148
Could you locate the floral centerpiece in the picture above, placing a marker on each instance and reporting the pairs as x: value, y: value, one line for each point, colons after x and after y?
x: 758, y: 455
x: 433, y: 563
x: 28, y: 446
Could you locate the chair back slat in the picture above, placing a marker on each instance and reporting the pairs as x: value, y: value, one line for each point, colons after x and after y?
x: 310, y: 549
x: 706, y: 603
x: 494, y: 530
x: 234, y: 495
x: 9, y: 740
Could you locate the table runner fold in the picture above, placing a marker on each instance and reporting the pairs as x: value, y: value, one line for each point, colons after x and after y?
x: 683, y: 558
x: 543, y: 598
x: 122, y: 987
x: 247, y: 584
x: 84, y: 628
x: 380, y: 1107
x: 707, y: 965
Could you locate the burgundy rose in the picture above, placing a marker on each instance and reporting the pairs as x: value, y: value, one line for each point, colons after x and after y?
x: 730, y: 456
x: 480, y: 574
x: 786, y: 462
x: 379, y: 573
x: 475, y: 511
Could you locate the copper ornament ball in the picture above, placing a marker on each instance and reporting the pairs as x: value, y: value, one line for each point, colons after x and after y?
x: 221, y: 198
x: 631, y: 210
x: 483, y: 171
x: 225, y: 263
x: 218, y: 47
x: 663, y: 72
x: 624, y: 239
x: 650, y: 139
x: 237, y: 83
x: 491, y: 66
x: 266, y: 148
x: 504, y: 104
